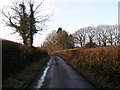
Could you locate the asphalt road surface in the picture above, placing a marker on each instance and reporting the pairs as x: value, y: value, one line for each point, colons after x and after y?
x: 58, y: 74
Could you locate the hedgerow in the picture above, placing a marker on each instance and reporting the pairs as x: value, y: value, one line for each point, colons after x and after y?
x: 100, y: 65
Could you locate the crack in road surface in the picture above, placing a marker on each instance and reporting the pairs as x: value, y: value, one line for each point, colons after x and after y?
x: 60, y: 75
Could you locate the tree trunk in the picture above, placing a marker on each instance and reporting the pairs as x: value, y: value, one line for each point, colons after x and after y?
x: 99, y: 43
x: 24, y: 40
x: 104, y: 43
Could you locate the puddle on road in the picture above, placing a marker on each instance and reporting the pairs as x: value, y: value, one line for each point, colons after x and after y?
x: 42, y: 78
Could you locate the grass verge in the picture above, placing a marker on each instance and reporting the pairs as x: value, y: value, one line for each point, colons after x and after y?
x: 23, y: 78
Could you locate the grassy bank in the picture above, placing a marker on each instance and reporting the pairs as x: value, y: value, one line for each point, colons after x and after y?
x: 21, y: 64
x: 99, y: 65
x: 24, y: 78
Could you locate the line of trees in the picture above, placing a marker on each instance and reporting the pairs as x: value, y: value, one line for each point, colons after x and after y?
x: 101, y: 35
x: 26, y: 19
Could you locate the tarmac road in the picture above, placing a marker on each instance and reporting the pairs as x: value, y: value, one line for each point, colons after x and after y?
x: 58, y: 74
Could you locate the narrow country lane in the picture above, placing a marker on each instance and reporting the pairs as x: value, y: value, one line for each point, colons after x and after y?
x: 58, y: 74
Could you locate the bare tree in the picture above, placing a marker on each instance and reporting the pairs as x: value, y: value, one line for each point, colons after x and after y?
x: 104, y: 37
x: 24, y: 19
x: 113, y: 35
x: 91, y: 33
x: 98, y: 35
x: 50, y: 42
x: 117, y: 35
x: 101, y: 35
x: 107, y: 34
x: 80, y: 36
x: 110, y: 30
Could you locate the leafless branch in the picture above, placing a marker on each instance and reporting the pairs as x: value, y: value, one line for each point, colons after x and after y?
x: 38, y: 5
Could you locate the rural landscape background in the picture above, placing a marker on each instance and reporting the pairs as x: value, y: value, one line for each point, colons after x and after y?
x: 84, y: 34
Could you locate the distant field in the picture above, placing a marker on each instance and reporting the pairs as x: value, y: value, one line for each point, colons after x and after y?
x: 99, y: 65
x: 21, y: 64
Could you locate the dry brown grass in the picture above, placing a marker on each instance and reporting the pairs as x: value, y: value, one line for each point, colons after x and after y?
x: 102, y: 64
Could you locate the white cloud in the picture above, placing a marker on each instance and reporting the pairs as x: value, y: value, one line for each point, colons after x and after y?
x: 78, y: 11
x: 49, y: 9
x: 57, y: 10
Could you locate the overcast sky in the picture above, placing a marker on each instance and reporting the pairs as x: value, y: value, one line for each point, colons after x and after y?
x: 71, y: 15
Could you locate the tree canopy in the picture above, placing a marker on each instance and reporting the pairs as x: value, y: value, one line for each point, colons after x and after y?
x: 24, y: 17
x: 59, y: 40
